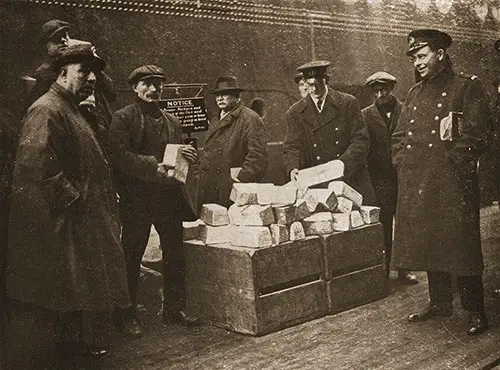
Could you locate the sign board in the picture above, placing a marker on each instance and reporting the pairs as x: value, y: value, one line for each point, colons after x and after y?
x: 191, y: 112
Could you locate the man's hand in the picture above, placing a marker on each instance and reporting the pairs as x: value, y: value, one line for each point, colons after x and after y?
x: 293, y: 174
x: 190, y: 153
x: 162, y: 171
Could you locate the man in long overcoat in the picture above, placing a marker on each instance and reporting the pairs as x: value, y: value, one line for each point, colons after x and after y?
x: 444, y: 126
x: 381, y: 118
x: 236, y: 139
x: 64, y: 252
x: 148, y: 196
x: 326, y: 125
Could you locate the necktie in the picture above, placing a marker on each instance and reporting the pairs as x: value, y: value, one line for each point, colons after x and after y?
x: 319, y: 104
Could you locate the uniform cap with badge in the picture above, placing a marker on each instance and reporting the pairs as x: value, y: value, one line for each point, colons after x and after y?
x: 314, y: 69
x: 417, y: 39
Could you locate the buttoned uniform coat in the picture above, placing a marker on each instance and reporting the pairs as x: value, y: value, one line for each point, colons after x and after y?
x: 136, y: 172
x: 64, y: 249
x: 437, y: 216
x: 338, y: 132
x: 237, y: 140
x: 382, y: 172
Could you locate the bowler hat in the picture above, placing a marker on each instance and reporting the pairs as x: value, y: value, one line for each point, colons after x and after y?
x: 380, y: 77
x: 316, y: 68
x: 145, y: 72
x: 79, y: 52
x: 226, y: 84
x: 50, y: 28
x: 417, y: 39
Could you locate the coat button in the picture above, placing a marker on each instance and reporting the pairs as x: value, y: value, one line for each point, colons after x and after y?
x: 315, y: 145
x: 436, y: 118
x: 338, y: 155
x: 412, y: 121
x: 336, y: 128
x: 440, y: 105
x: 431, y: 145
x: 219, y: 151
x: 410, y: 133
x: 433, y: 132
x: 218, y: 170
x: 318, y: 158
x: 408, y: 146
x: 336, y: 143
x: 414, y: 107
x: 444, y: 94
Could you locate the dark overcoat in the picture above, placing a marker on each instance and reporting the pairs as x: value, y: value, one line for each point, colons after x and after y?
x: 382, y: 172
x: 437, y: 217
x: 64, y: 249
x: 237, y: 140
x: 338, y: 132
x: 136, y: 174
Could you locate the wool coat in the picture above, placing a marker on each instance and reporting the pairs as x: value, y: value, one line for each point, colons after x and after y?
x: 136, y: 174
x: 382, y: 172
x: 338, y: 132
x: 64, y: 249
x: 437, y: 216
x: 237, y: 140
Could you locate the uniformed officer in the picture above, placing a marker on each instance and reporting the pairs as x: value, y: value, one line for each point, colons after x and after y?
x: 326, y: 125
x: 444, y: 126
x: 381, y: 118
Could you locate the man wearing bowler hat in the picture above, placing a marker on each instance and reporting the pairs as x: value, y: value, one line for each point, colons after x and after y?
x: 444, y: 127
x: 381, y: 118
x: 327, y: 125
x: 139, y: 134
x: 236, y: 139
x: 64, y: 252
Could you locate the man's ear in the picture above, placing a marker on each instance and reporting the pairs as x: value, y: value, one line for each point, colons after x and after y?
x: 440, y: 54
x: 63, y: 72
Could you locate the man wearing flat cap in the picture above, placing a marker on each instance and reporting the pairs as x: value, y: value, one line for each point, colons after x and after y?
x: 235, y: 139
x: 381, y: 118
x: 445, y: 125
x: 327, y: 125
x: 148, y: 195
x: 64, y: 252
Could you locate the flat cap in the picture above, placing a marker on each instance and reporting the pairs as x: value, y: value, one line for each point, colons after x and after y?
x: 380, y: 77
x: 50, y: 28
x: 226, y: 84
x: 78, y: 52
x: 145, y: 72
x: 418, y: 39
x: 316, y: 68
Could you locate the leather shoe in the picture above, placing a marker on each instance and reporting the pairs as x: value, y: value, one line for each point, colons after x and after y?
x: 478, y: 323
x: 178, y: 317
x: 81, y: 349
x: 431, y: 311
x: 130, y: 327
x: 496, y: 293
x: 407, y: 278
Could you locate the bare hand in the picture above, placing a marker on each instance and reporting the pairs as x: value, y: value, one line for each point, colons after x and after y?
x: 190, y: 153
x: 293, y: 174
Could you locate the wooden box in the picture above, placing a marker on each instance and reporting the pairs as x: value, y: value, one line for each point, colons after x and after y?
x: 357, y: 288
x: 256, y: 291
x: 352, y: 250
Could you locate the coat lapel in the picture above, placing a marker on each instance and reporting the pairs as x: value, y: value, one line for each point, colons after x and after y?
x: 330, y: 109
x: 218, y: 124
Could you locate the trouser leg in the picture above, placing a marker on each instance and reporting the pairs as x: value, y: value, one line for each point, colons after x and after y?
x: 471, y: 292
x: 136, y: 228
x: 386, y: 218
x: 440, y: 288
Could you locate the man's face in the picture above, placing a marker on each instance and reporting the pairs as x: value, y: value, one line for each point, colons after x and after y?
x: 427, y: 62
x: 149, y: 89
x: 79, y: 80
x: 316, y: 87
x: 57, y: 42
x: 302, y: 85
x: 381, y: 92
x: 226, y: 102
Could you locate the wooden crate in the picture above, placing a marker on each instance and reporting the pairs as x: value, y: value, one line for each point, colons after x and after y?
x: 357, y: 288
x: 256, y: 291
x: 352, y: 250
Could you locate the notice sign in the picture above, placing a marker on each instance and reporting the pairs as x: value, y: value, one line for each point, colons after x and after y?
x: 190, y: 111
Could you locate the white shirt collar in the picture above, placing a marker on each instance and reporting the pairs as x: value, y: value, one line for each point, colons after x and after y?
x: 224, y: 114
x: 323, y: 99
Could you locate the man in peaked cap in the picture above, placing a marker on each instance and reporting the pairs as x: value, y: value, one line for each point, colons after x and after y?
x: 327, y: 125
x: 236, y: 138
x: 381, y: 118
x: 301, y: 84
x: 444, y: 127
x: 148, y: 195
x: 55, y: 35
x: 71, y: 261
